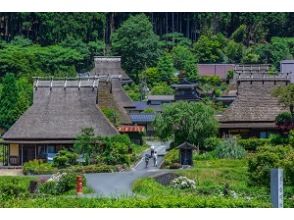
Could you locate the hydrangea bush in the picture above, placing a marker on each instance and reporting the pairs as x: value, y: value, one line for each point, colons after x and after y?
x: 183, y: 182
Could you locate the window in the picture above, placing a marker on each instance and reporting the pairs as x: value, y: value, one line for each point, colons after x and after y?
x: 263, y: 134
x: 51, y: 149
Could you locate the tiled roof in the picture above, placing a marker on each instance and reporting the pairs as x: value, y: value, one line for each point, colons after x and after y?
x: 161, y: 97
x: 131, y: 128
x: 143, y: 117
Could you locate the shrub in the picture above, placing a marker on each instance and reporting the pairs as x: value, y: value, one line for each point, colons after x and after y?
x: 14, y: 187
x: 65, y: 158
x: 291, y: 137
x: 229, y: 148
x: 260, y: 164
x: 175, y: 166
x: 211, y: 143
x: 276, y: 139
x: 251, y: 144
x: 100, y: 168
x: 285, y: 118
x: 171, y: 157
x: 183, y: 182
x: 60, y: 183
x: 288, y: 164
x: 37, y: 167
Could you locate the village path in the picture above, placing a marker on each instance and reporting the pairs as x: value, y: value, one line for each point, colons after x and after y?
x: 120, y: 183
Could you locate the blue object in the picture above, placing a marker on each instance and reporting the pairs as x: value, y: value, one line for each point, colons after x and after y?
x: 143, y: 117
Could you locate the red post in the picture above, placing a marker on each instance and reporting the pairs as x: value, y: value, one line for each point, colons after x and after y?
x: 79, y: 188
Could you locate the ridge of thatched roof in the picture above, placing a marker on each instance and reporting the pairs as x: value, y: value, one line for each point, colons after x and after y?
x: 60, y: 113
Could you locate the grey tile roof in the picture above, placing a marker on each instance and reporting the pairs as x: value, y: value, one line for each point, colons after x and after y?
x: 61, y: 114
x: 142, y: 117
x: 161, y: 97
x: 254, y: 102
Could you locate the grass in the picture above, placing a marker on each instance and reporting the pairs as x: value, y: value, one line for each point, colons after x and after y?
x: 211, y: 176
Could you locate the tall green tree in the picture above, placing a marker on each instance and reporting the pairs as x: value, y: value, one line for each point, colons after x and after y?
x: 138, y: 45
x: 185, y: 61
x: 9, y: 111
x: 186, y: 121
x: 166, y: 68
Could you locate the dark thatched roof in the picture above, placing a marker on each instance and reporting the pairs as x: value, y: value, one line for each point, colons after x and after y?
x: 254, y: 105
x: 120, y: 95
x: 110, y: 66
x: 60, y: 114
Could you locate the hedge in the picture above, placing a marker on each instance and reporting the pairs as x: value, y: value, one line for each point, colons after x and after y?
x: 134, y: 202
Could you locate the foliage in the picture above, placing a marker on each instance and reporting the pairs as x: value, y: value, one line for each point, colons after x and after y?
x: 260, y: 164
x: 171, y: 158
x: 291, y: 138
x: 230, y: 148
x: 162, y: 89
x: 60, y: 183
x: 37, y: 167
x: 285, y: 95
x: 148, y: 110
x: 185, y: 62
x: 284, y: 118
x: 95, y: 168
x: 65, y: 158
x: 209, y: 48
x: 133, y: 91
x: 211, y: 143
x: 166, y: 68
x: 152, y: 75
x: 14, y: 187
x: 250, y: 56
x: 35, y: 60
x: 136, y: 42
x: 252, y: 144
x: 169, y: 201
x: 112, y: 115
x: 183, y: 182
x: 192, y: 122
x: 170, y: 40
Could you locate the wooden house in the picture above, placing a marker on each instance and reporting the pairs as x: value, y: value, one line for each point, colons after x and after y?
x: 254, y: 110
x: 60, y: 110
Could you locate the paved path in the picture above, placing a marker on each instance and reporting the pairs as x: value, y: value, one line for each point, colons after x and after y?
x: 120, y: 183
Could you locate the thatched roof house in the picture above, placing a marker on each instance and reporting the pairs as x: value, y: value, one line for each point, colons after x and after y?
x: 254, y: 110
x: 61, y: 108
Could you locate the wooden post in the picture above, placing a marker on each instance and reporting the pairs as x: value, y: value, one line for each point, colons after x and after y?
x: 79, y: 186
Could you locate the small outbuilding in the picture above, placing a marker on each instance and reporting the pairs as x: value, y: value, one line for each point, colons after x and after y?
x: 186, y: 153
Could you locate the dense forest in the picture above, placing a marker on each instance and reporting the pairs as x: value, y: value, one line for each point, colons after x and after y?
x: 153, y: 46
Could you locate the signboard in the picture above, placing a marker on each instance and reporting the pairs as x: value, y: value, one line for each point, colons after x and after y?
x: 277, y: 188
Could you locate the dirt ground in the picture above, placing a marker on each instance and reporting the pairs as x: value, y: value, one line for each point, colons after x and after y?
x: 11, y: 172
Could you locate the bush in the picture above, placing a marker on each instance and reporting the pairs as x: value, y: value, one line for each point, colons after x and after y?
x: 291, y: 137
x: 37, y: 167
x: 172, y: 157
x: 175, y: 166
x: 60, y: 183
x: 251, y: 144
x: 229, y: 148
x: 101, y: 168
x: 276, y: 139
x: 211, y: 143
x: 260, y: 164
x: 14, y: 187
x: 183, y: 182
x: 285, y: 118
x: 65, y: 158
x: 288, y: 164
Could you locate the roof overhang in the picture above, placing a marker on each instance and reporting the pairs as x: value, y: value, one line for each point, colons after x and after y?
x: 40, y: 141
x: 247, y: 125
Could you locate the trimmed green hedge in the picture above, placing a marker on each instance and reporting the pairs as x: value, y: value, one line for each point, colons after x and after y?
x: 135, y: 202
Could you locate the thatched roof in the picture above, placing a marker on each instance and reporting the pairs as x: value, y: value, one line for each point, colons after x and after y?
x: 120, y: 95
x: 254, y: 104
x: 61, y: 114
x: 107, y: 65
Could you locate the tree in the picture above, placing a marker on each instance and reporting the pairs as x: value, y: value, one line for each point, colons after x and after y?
x: 250, y: 56
x: 152, y: 75
x: 187, y: 121
x: 165, y: 67
x: 138, y: 45
x: 184, y: 60
x: 234, y: 52
x: 85, y: 143
x: 285, y: 94
x: 162, y: 89
x: 170, y: 40
x: 9, y: 112
x: 209, y: 48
